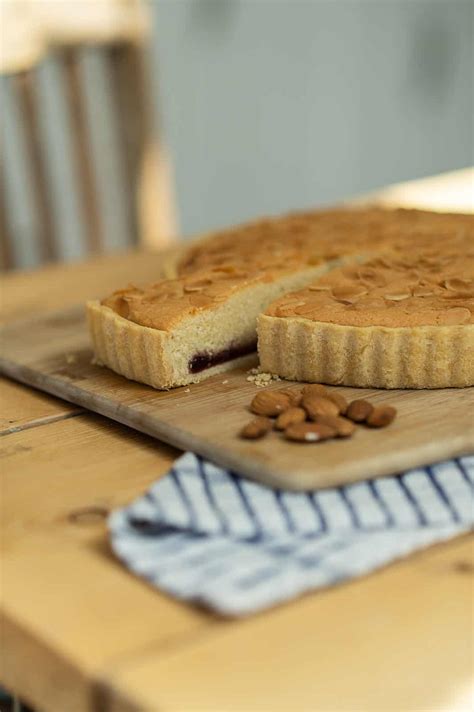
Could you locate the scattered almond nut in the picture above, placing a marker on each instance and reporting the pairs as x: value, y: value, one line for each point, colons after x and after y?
x: 315, y: 405
x: 344, y: 428
x: 329, y: 412
x: 256, y: 428
x: 309, y: 432
x: 294, y: 395
x: 381, y: 416
x: 359, y: 410
x: 270, y: 403
x: 339, y: 400
x: 290, y: 417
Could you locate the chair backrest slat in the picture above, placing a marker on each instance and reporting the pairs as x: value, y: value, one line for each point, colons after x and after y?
x: 134, y: 114
x: 21, y: 201
x: 60, y: 159
x: 6, y: 257
x: 106, y: 150
x: 25, y: 87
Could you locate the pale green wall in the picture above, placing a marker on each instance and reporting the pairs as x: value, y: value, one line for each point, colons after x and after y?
x: 275, y: 104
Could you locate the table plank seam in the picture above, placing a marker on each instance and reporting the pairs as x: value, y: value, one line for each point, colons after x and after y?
x: 38, y: 422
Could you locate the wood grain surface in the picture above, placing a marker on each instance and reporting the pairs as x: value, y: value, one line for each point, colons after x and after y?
x: 22, y: 408
x: 52, y: 352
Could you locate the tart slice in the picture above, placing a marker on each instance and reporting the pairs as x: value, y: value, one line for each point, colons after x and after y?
x: 183, y: 330
x: 204, y: 321
x: 397, y: 321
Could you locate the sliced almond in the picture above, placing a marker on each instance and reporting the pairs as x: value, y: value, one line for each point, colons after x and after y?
x: 454, y: 316
x: 306, y: 309
x: 397, y: 296
x: 461, y: 286
x: 367, y: 303
x: 423, y: 292
x: 197, y: 285
x: 348, y: 294
x: 288, y: 308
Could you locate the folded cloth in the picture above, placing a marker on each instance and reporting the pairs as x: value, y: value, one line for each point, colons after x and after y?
x: 206, y: 535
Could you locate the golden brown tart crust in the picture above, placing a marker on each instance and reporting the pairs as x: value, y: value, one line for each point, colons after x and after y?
x: 415, y: 274
x: 400, y: 320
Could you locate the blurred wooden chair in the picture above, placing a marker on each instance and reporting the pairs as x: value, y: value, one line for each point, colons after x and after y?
x: 81, y: 169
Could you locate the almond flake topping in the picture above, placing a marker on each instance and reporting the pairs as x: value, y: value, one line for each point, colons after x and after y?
x: 457, y: 315
x: 462, y: 286
x: 348, y: 294
x: 397, y: 296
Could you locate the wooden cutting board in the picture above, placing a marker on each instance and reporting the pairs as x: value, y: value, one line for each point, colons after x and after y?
x: 52, y: 353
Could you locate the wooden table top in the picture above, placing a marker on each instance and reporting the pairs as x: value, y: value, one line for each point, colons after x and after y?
x: 80, y: 633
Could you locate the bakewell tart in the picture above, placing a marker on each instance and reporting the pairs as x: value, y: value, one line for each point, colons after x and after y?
x: 400, y: 320
x: 202, y: 320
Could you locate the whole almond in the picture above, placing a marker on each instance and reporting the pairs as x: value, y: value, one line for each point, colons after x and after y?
x: 315, y: 405
x: 309, y: 432
x: 381, y: 416
x: 344, y: 428
x: 269, y: 403
x: 339, y: 400
x: 289, y: 417
x: 256, y: 428
x: 294, y: 394
x: 314, y: 389
x: 359, y: 410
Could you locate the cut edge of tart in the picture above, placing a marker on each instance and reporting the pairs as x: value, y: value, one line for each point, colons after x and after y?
x: 201, y: 341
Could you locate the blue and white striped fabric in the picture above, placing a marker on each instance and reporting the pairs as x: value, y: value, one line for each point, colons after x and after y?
x: 206, y: 535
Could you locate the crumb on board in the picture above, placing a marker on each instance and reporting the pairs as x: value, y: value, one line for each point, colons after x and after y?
x: 224, y: 382
x: 261, y: 379
x: 71, y: 358
x: 187, y: 390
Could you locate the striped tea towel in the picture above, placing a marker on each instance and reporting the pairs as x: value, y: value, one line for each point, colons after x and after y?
x: 206, y: 535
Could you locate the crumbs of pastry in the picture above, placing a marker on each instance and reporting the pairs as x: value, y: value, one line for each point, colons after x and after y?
x: 261, y: 379
x: 71, y: 358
